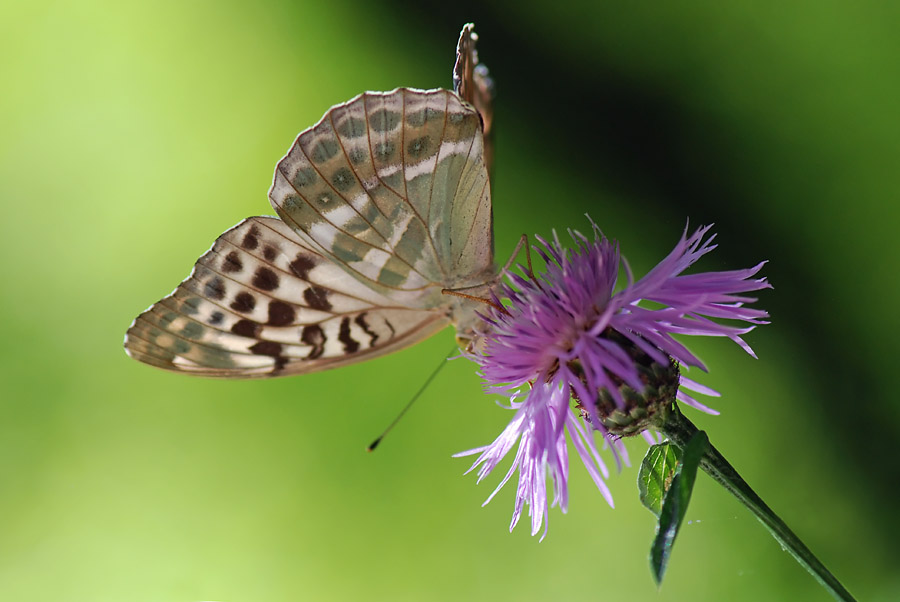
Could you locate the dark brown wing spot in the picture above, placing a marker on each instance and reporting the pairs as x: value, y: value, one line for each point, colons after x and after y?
x: 314, y: 336
x: 270, y: 253
x: 265, y: 279
x: 232, y: 263
x: 215, y: 289
x: 302, y: 265
x: 216, y: 318
x: 251, y: 239
x: 247, y: 328
x: 266, y: 348
x: 281, y: 314
x: 361, y: 322
x: 243, y: 302
x: 317, y: 298
x: 344, y: 336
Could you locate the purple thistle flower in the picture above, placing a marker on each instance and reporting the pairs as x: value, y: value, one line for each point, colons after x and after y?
x: 568, y: 334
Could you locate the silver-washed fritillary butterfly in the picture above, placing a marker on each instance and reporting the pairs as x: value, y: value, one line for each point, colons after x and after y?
x: 382, y: 204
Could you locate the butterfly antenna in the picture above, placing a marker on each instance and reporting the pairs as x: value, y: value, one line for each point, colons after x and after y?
x: 424, y: 386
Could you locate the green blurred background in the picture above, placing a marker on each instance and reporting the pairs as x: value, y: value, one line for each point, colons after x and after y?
x: 132, y: 134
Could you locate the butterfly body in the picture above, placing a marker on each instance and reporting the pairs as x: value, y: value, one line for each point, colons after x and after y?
x: 382, y: 204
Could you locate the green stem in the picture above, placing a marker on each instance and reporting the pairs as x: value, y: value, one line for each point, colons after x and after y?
x: 679, y: 430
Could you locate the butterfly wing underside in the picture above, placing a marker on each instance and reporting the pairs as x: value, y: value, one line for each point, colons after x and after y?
x: 383, y: 203
x: 393, y: 186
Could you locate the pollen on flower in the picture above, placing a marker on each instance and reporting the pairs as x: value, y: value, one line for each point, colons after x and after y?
x: 565, y: 335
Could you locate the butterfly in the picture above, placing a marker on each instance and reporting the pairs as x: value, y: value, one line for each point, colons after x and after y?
x: 382, y: 207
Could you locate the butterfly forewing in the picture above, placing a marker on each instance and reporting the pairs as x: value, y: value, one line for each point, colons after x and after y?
x: 262, y: 303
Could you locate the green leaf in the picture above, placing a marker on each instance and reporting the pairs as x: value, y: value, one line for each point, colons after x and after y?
x: 675, y: 497
x: 656, y: 474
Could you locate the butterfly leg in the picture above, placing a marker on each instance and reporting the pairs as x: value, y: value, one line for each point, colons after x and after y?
x: 523, y: 242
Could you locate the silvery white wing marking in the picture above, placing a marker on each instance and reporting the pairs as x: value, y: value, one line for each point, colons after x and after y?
x: 383, y: 203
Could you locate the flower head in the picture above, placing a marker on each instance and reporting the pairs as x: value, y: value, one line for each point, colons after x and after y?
x: 569, y: 334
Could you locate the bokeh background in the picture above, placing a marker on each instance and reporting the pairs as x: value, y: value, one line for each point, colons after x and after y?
x: 133, y: 133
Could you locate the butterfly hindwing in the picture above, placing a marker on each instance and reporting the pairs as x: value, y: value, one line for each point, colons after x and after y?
x: 262, y: 303
x: 393, y: 186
